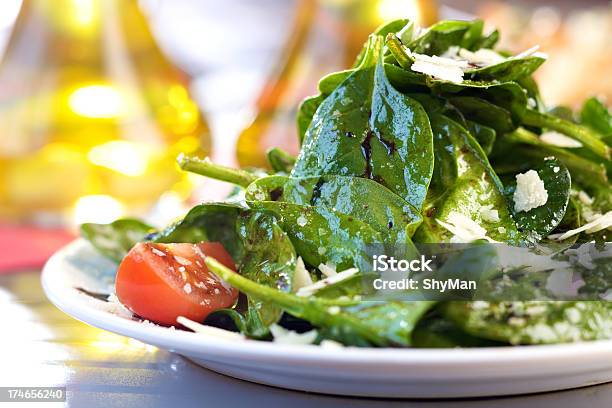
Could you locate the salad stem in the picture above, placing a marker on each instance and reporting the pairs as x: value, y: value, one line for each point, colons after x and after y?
x: 215, y: 171
x: 584, y: 135
x: 256, y: 290
x: 586, y: 170
x: 399, y: 51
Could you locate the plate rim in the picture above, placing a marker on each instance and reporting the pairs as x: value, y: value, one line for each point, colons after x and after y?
x: 430, y: 358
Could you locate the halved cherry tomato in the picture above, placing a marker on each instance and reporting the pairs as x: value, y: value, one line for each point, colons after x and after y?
x: 160, y: 282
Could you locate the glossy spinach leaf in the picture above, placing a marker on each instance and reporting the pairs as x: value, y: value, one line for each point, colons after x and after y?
x: 540, y: 221
x: 485, y: 112
x: 487, y: 41
x: 597, y: 116
x: 512, y: 69
x: 379, y: 323
x: 366, y: 128
x: 320, y: 234
x: 268, y: 258
x: 533, y: 322
x: 590, y: 139
x: 259, y: 247
x: 280, y: 161
x: 473, y: 35
x: 476, y: 186
x: 207, y: 222
x: 587, y: 172
x: 440, y: 36
x: 306, y: 111
x: 114, y: 240
x: 328, y: 83
x: 348, y: 195
x: 484, y: 135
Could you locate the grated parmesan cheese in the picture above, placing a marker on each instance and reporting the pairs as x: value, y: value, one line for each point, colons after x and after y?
x: 331, y: 344
x: 463, y: 228
x: 302, y: 221
x: 284, y: 336
x: 559, y: 139
x: 209, y: 330
x: 115, y: 307
x: 488, y: 214
x: 530, y: 192
x: 338, y: 277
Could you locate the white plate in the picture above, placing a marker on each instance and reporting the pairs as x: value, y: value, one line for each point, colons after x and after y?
x: 416, y: 373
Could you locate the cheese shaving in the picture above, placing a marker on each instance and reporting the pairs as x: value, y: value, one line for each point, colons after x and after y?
x: 560, y: 140
x: 338, y: 277
x: 301, y: 277
x: 600, y: 223
x: 439, y: 67
x: 328, y: 269
x: 463, y: 228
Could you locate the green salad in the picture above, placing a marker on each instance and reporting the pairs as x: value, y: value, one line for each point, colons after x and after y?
x: 432, y: 136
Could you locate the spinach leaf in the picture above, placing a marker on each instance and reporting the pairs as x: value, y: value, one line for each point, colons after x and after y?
x: 259, y: 247
x: 497, y: 103
x: 539, y: 222
x: 487, y: 41
x: 483, y: 134
x: 473, y: 35
x: 440, y: 36
x: 476, y: 186
x: 533, y: 322
x: 485, y: 112
x: 348, y: 195
x: 596, y: 115
x: 268, y: 258
x: 248, y: 322
x: 512, y: 69
x: 114, y: 240
x: 589, y: 138
x: 280, y: 161
x: 305, y: 112
x: 320, y: 234
x: 585, y: 171
x: 207, y: 222
x: 368, y: 129
x: 379, y: 323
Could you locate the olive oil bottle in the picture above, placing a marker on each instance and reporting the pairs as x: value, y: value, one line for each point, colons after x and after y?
x: 92, y: 114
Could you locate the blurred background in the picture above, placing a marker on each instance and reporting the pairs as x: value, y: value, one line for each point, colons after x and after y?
x: 97, y: 97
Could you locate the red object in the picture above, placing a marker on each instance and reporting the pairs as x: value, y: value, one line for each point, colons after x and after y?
x: 160, y: 282
x: 23, y: 248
